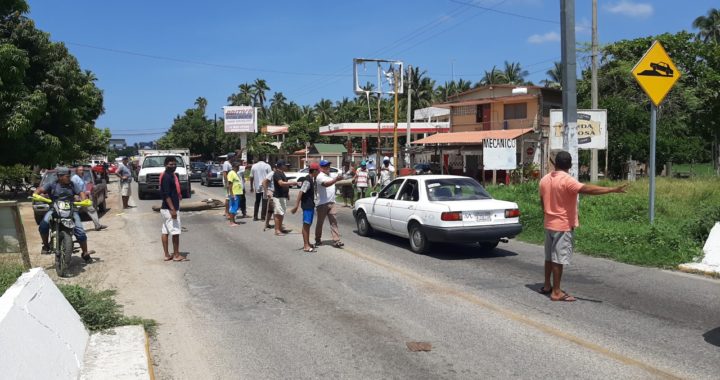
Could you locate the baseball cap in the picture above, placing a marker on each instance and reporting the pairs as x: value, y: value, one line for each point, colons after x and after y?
x: 386, y: 158
x: 281, y: 163
x: 314, y: 166
x: 363, y: 163
x: 324, y: 163
x: 61, y: 171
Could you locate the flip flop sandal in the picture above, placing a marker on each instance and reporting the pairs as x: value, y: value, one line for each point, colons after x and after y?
x: 87, y: 257
x: 338, y: 244
x: 180, y: 259
x: 318, y: 243
x: 545, y: 291
x: 310, y: 250
x: 168, y: 258
x: 565, y: 298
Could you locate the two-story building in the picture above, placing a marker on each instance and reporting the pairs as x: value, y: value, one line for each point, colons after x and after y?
x: 491, y: 112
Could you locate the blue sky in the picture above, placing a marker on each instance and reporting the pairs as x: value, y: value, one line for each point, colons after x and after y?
x: 305, y: 48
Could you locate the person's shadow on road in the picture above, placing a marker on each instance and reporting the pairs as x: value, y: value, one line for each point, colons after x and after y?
x: 713, y: 337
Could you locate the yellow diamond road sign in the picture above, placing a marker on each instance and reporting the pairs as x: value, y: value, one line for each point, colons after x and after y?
x: 656, y: 73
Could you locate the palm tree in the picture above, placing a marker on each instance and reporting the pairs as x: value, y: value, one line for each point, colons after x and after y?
x: 278, y: 100
x: 709, y: 26
x: 244, y: 96
x: 324, y: 112
x: 514, y: 74
x: 554, y: 77
x: 494, y: 76
x: 260, y: 86
x: 201, y: 104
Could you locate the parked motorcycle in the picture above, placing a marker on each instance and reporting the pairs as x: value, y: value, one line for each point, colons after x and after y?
x: 62, y: 225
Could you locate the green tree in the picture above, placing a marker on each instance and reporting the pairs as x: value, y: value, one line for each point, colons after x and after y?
x: 514, y: 74
x: 554, y: 77
x: 48, y: 104
x: 494, y: 76
x: 709, y: 26
x: 259, y: 88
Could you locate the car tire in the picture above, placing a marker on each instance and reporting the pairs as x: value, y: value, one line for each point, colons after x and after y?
x: 202, y: 182
x: 418, y: 240
x: 363, y: 225
x: 141, y: 195
x: 488, y: 245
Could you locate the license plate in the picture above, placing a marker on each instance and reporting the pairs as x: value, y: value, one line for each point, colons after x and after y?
x: 476, y: 216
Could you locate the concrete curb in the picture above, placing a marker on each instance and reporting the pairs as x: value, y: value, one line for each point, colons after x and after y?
x: 118, y: 353
x: 696, y: 268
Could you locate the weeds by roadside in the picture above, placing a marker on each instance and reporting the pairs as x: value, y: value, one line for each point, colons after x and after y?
x: 99, y: 311
x: 617, y: 227
x: 9, y: 273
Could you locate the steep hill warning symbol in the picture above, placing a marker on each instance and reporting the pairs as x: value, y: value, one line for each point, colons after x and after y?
x: 656, y: 73
x: 658, y: 69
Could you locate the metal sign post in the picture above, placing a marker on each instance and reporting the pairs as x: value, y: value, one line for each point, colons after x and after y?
x: 656, y: 73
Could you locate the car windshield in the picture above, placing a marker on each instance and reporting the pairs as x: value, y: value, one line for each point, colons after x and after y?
x: 216, y: 168
x: 159, y: 161
x: 455, y: 189
x: 198, y: 165
x: 51, y: 177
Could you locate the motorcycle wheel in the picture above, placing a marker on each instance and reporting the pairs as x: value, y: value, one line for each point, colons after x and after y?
x: 64, y: 255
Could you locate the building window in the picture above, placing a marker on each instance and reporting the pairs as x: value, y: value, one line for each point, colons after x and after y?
x: 463, y: 110
x: 515, y: 111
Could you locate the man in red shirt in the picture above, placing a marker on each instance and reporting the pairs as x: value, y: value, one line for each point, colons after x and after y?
x: 559, y: 199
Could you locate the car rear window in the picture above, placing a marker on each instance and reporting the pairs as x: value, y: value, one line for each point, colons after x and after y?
x: 455, y: 189
x: 159, y: 161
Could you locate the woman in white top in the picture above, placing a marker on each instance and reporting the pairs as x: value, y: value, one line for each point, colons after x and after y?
x: 362, y: 179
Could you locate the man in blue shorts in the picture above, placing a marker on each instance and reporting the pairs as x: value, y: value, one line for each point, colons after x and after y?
x: 306, y: 200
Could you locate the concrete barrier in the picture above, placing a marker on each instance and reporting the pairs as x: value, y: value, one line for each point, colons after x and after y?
x: 710, y: 263
x: 41, y: 335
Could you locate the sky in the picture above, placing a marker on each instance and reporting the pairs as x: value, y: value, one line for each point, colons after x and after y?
x: 154, y: 58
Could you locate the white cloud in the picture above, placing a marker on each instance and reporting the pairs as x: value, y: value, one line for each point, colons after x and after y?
x: 630, y: 9
x: 584, y: 26
x: 542, y: 38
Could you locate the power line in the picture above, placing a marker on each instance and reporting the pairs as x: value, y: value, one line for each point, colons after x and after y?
x: 507, y: 13
x: 209, y: 64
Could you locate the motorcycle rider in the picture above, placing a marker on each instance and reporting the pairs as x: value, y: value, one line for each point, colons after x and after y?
x: 63, y: 190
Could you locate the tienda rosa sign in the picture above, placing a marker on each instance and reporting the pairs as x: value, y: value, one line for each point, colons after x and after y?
x: 239, y: 119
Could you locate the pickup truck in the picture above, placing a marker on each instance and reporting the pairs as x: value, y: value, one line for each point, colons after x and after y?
x: 152, y: 165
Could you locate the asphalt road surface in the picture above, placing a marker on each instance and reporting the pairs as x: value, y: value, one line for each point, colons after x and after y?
x: 269, y: 310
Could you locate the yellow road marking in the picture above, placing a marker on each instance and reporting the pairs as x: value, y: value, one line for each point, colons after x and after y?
x: 473, y: 299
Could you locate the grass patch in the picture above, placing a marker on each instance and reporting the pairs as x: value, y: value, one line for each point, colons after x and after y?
x: 9, y: 273
x: 616, y: 226
x: 697, y: 170
x: 99, y: 311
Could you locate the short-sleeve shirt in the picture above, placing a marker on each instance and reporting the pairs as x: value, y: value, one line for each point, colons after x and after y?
x: 226, y: 166
x: 325, y: 194
x: 237, y: 185
x: 123, y: 171
x: 307, y: 200
x: 362, y: 178
x: 60, y: 192
x: 79, y: 182
x: 559, y: 191
x: 258, y: 172
x: 168, y: 188
x: 280, y: 191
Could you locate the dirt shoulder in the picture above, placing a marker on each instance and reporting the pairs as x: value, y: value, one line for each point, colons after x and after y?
x: 128, y: 260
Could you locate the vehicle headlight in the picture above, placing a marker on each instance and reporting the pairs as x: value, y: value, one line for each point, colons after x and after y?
x: 183, y: 177
x: 141, y: 178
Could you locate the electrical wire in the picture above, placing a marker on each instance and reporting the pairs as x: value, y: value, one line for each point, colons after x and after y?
x: 507, y: 13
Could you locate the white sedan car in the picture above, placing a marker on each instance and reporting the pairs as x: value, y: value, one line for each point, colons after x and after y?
x: 295, y: 176
x: 438, y: 208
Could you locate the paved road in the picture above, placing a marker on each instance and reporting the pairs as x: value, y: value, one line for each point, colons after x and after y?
x: 269, y: 310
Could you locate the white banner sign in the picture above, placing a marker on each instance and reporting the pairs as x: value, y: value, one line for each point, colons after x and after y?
x: 499, y: 154
x: 591, y: 129
x: 239, y: 119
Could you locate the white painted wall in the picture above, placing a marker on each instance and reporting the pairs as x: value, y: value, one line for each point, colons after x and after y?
x: 41, y: 335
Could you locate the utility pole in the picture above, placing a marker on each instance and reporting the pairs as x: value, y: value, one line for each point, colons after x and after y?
x: 378, y: 158
x: 408, y: 135
x: 396, y: 79
x: 214, y: 136
x: 569, y: 91
x: 594, y: 88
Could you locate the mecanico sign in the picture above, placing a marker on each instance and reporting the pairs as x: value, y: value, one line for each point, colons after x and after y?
x: 591, y: 129
x: 500, y: 154
x: 240, y: 119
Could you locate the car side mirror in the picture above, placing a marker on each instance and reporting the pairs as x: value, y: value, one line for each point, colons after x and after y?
x: 374, y: 194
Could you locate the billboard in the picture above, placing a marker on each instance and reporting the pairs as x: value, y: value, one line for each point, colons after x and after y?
x: 499, y: 154
x: 591, y: 129
x: 240, y: 119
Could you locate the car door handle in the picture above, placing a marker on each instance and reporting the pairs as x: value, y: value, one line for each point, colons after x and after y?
x: 411, y: 207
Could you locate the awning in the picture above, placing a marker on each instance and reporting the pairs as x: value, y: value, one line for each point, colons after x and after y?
x: 502, y: 99
x: 472, y: 138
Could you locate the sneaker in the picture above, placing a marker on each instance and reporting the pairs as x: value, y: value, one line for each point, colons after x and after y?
x: 101, y: 227
x: 45, y: 250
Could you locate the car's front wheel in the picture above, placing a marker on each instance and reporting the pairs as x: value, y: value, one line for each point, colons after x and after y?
x: 363, y: 225
x: 418, y: 239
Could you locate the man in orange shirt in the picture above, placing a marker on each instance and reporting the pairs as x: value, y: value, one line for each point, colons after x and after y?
x: 559, y: 199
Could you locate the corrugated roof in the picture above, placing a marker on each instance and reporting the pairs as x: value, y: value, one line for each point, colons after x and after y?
x: 330, y: 148
x: 472, y: 138
x: 486, y: 101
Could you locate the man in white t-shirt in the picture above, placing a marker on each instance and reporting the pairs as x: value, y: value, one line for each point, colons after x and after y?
x: 226, y: 167
x: 387, y: 172
x: 326, y: 205
x: 258, y: 172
